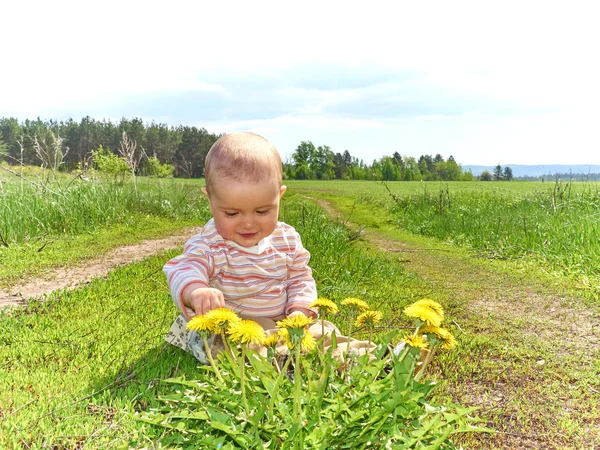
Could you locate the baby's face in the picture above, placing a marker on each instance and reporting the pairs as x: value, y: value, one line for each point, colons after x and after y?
x: 245, y: 212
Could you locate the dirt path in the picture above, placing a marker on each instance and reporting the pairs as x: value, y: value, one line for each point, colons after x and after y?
x: 71, y: 277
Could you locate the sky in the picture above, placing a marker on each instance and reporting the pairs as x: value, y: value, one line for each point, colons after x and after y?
x: 486, y: 82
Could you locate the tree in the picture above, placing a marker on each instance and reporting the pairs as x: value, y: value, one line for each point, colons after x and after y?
x: 192, y: 148
x: 508, y: 173
x: 302, y: 157
x: 11, y: 131
x: 452, y: 170
x: 485, y: 176
x: 423, y: 166
x: 398, y: 159
x: 411, y: 169
x: 347, y: 158
x: 109, y: 163
x: 158, y: 170
x: 322, y: 163
x: 2, y: 146
x: 498, y: 172
x: 339, y: 167
x: 390, y: 171
x: 304, y: 153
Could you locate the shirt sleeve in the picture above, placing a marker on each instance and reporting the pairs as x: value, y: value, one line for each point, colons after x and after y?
x: 302, y: 289
x: 194, y: 265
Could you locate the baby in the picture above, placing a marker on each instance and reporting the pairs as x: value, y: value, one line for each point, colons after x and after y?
x: 243, y: 258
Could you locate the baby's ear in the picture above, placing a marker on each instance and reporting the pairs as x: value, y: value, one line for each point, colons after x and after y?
x: 205, y: 192
x: 282, y: 190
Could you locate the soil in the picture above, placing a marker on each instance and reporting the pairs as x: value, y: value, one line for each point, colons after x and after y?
x: 74, y: 276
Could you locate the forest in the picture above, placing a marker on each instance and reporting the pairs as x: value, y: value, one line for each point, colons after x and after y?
x: 70, y: 145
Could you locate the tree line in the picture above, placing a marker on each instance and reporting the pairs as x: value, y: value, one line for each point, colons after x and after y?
x: 309, y: 162
x: 184, y: 147
x: 73, y: 145
x: 499, y: 174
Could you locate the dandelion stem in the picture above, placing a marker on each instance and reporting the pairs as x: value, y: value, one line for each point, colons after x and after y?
x: 404, y: 353
x: 276, y: 363
x: 349, y: 335
x: 227, y: 346
x: 276, y: 387
x: 242, y: 377
x: 426, y: 362
x: 323, y: 333
x: 210, y: 358
x: 297, y: 391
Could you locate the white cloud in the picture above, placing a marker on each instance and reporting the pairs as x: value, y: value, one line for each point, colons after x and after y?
x: 527, y: 67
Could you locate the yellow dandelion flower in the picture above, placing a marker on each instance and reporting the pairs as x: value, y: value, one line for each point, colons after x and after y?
x: 356, y: 303
x: 307, y: 342
x: 447, y: 341
x: 201, y: 324
x: 368, y: 319
x: 425, y: 313
x: 298, y: 321
x: 246, y: 332
x: 272, y: 340
x: 427, y: 302
x: 415, y: 341
x: 222, y: 317
x: 325, y: 305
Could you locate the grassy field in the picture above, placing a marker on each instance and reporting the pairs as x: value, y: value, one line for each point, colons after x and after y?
x: 73, y: 369
x: 51, y: 224
x: 553, y: 226
x: 530, y: 350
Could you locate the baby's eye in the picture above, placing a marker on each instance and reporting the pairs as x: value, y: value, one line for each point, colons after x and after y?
x: 262, y: 213
x: 229, y: 214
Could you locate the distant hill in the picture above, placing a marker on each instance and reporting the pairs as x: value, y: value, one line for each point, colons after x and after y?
x: 520, y: 170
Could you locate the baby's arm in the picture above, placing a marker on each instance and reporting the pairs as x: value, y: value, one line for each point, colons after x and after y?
x: 188, y: 276
x: 201, y: 299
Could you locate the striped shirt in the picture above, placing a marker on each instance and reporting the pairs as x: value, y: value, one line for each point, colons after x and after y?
x: 267, y: 280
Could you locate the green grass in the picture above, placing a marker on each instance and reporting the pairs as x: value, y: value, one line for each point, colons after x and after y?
x: 76, y: 366
x: 73, y: 367
x: 78, y: 220
x: 528, y: 351
x: 72, y: 206
x: 553, y: 226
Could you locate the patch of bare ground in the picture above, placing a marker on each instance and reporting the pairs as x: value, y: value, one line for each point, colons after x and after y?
x: 74, y: 276
x: 522, y: 394
x: 535, y: 311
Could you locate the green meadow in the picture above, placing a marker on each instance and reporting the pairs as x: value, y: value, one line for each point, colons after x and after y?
x: 551, y: 225
x: 76, y: 367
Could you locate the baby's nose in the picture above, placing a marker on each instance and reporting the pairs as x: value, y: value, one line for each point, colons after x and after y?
x: 248, y: 222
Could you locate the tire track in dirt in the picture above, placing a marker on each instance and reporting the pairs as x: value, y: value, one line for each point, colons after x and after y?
x: 75, y: 276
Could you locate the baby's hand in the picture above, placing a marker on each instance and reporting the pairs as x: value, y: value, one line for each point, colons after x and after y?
x: 202, y: 300
x: 304, y: 311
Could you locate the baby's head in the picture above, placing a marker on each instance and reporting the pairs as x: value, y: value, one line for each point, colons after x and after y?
x: 243, y: 184
x: 242, y: 157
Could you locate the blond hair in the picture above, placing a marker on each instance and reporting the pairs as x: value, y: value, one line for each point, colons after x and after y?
x: 245, y: 157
